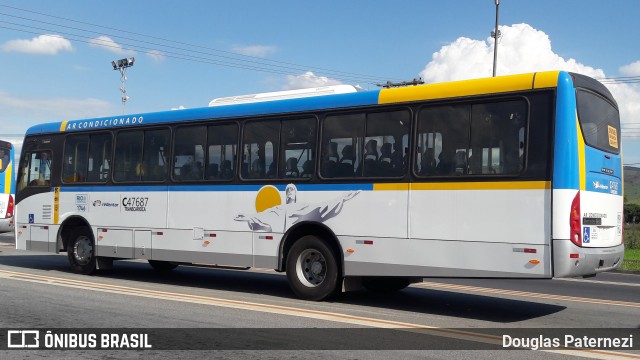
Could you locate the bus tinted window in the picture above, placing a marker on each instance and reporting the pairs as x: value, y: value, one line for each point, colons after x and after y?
x: 99, y: 162
x: 154, y: 161
x: 298, y: 148
x: 367, y: 145
x: 189, y: 153
x: 128, y: 160
x: 342, y: 140
x: 35, y: 170
x: 386, y: 138
x: 600, y: 122
x: 260, y: 154
x: 443, y: 138
x: 4, y: 158
x: 74, y: 168
x: 496, y: 133
x: 86, y: 158
x: 222, y: 151
x: 495, y: 146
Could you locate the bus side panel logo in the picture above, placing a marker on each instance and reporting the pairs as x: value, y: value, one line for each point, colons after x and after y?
x: 32, y: 219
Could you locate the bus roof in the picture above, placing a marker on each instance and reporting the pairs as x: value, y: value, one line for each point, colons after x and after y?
x: 501, y: 84
x: 283, y: 95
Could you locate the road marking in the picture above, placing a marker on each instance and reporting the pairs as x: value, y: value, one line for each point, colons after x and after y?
x: 428, y: 284
x: 292, y: 311
x: 599, y: 282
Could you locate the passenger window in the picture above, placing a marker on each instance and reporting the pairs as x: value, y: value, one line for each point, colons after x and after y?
x: 298, y: 148
x: 497, y: 138
x: 443, y: 138
x: 154, y: 160
x: 222, y: 152
x: 342, y: 145
x: 386, y: 138
x: 99, y: 163
x: 128, y: 158
x: 189, y: 153
x: 74, y: 167
x: 260, y: 150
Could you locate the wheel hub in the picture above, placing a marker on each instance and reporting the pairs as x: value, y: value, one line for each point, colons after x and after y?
x: 311, y: 268
x: 83, y: 251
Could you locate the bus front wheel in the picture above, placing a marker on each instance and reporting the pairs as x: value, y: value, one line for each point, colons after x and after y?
x: 81, y: 251
x: 312, y: 269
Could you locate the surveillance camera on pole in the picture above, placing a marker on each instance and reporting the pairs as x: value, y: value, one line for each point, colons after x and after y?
x: 122, y: 65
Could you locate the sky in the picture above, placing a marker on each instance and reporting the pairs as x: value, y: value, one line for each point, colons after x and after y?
x: 56, y: 56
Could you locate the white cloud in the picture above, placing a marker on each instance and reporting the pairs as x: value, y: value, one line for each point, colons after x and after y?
x: 632, y: 69
x: 31, y: 111
x: 522, y: 49
x: 255, y: 50
x: 108, y: 44
x: 156, y: 55
x: 47, y: 44
x: 308, y: 80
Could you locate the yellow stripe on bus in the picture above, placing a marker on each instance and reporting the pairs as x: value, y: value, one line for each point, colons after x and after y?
x: 391, y: 186
x: 8, y: 179
x: 548, y: 79
x: 56, y: 204
x: 491, y: 185
x: 457, y: 89
x: 581, y: 158
x: 498, y: 185
x: 63, y: 126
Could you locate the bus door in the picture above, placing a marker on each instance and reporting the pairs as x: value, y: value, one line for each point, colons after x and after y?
x: 38, y: 204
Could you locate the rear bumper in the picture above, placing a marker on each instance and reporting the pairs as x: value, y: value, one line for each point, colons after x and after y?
x: 589, y: 261
x: 7, y: 225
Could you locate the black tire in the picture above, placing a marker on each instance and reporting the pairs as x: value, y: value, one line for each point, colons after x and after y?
x: 385, y: 285
x: 162, y: 265
x: 81, y: 251
x: 312, y: 270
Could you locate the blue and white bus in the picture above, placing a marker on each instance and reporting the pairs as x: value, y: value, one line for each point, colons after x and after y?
x: 7, y: 185
x: 515, y: 176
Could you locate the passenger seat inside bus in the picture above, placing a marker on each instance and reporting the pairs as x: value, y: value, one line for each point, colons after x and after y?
x: 226, y: 171
x: 370, y: 158
x: 330, y: 161
x: 461, y: 163
x: 307, y: 169
x: 345, y: 167
x: 291, y: 168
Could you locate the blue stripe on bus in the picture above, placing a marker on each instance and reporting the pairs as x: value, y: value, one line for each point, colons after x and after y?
x: 565, y: 166
x: 260, y: 108
x: 213, y: 187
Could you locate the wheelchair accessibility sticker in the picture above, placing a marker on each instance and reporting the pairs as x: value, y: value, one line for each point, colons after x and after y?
x: 586, y: 235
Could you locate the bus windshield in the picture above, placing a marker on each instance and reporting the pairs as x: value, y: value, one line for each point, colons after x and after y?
x: 600, y: 122
x: 5, y: 159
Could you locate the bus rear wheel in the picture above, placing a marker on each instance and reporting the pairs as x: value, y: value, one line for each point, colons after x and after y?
x: 81, y: 251
x: 312, y: 269
x: 160, y: 265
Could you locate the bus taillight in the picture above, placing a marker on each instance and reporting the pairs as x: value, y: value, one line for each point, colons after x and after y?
x: 9, y: 208
x: 574, y: 221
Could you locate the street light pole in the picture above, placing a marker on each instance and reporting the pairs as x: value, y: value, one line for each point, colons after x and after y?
x: 496, y: 34
x: 122, y: 66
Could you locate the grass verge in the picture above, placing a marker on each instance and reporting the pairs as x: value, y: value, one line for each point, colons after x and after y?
x: 631, y: 260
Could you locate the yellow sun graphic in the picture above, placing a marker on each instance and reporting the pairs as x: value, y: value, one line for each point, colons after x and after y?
x: 268, y: 196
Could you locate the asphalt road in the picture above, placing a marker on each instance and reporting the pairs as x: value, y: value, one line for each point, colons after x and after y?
x: 37, y: 290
